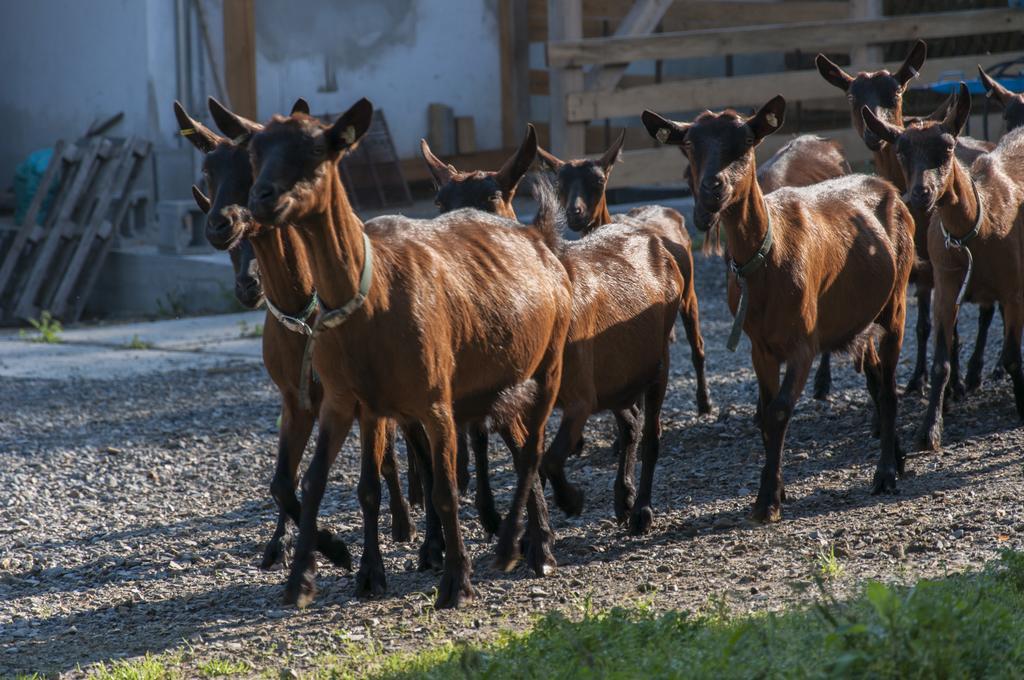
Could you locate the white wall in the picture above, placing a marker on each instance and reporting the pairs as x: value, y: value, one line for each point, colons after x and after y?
x: 401, y: 54
x: 67, y: 63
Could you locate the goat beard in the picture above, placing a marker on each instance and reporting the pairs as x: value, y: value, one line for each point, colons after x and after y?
x: 302, y: 197
x: 241, y: 223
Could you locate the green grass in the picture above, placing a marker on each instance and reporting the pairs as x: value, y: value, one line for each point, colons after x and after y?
x: 253, y: 331
x: 47, y: 329
x: 220, y: 668
x: 962, y: 626
x: 828, y: 566
x: 137, y: 343
x: 957, y: 627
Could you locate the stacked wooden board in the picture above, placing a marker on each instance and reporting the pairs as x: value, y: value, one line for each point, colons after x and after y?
x: 53, y: 265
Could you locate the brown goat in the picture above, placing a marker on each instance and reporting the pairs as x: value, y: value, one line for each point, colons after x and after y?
x: 610, y: 358
x: 975, y: 242
x: 814, y: 268
x: 882, y: 93
x: 288, y: 285
x: 803, y: 161
x: 582, y: 185
x: 444, y: 321
x: 492, y: 192
x: 1012, y: 104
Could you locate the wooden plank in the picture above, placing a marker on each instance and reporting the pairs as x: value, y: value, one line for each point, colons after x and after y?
x: 240, y: 56
x: 28, y: 226
x: 688, y: 15
x: 441, y: 128
x: 814, y: 35
x: 111, y: 182
x: 515, y: 70
x: 25, y: 296
x: 865, y: 9
x: 642, y: 19
x: 565, y: 22
x: 715, y: 93
x: 138, y: 153
x: 465, y: 134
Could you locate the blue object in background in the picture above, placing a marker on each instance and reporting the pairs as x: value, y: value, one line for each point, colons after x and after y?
x: 27, y: 177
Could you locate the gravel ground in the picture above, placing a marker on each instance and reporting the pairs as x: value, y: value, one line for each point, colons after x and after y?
x: 135, y: 512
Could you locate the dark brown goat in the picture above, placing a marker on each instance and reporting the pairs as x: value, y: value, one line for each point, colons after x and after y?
x: 976, y: 240
x: 582, y: 185
x: 617, y: 349
x: 288, y: 285
x: 814, y: 268
x: 444, y: 321
x: 492, y: 192
x: 882, y: 93
x: 1012, y: 104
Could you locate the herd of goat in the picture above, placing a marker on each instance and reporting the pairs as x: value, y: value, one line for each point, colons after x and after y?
x: 450, y: 327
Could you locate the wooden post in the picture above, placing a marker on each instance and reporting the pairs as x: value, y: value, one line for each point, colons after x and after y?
x: 642, y: 19
x: 565, y: 22
x: 240, y: 56
x: 866, y: 9
x: 515, y: 70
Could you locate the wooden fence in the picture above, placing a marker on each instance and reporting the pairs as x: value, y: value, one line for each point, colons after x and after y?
x: 586, y: 70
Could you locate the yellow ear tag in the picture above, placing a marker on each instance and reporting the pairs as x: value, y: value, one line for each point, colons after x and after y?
x: 185, y: 132
x: 662, y: 134
x: 772, y: 120
x: 349, y: 135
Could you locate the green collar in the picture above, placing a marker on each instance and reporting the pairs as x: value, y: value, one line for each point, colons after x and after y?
x: 296, y: 324
x: 952, y: 241
x: 742, y: 272
x: 335, y: 317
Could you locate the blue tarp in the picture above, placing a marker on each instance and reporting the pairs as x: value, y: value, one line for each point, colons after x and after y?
x: 27, y: 177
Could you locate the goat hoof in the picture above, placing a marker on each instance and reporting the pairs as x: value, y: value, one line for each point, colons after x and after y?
x: 507, y: 554
x: 998, y: 373
x: 431, y: 557
x: 703, y: 403
x: 915, y: 386
x: 453, y: 590
x: 371, y: 581
x: 766, y: 513
x: 624, y: 506
x: 301, y: 588
x: 537, y: 552
x: 928, y: 440
x: 973, y: 381
x: 334, y: 549
x: 273, y: 555
x: 490, y: 520
x: 402, y: 530
x: 885, y: 481
x: 822, y: 389
x: 641, y: 521
x: 959, y: 391
x: 571, y: 501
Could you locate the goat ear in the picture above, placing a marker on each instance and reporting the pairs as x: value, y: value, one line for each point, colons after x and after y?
x: 832, y: 73
x: 957, y: 116
x: 613, y: 154
x: 768, y: 118
x: 885, y: 131
x: 664, y: 130
x: 350, y: 126
x: 912, y: 64
x: 550, y: 160
x: 201, y: 200
x: 191, y: 129
x: 994, y: 90
x: 514, y: 168
x: 439, y: 170
x: 300, y: 106
x: 231, y: 124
